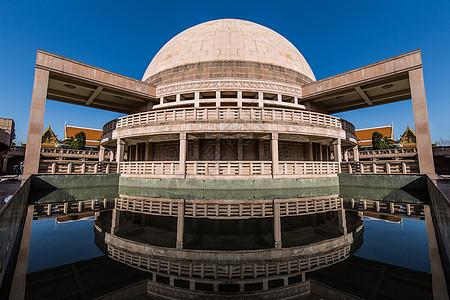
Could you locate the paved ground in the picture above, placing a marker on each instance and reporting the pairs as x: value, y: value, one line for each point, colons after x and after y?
x: 9, y: 184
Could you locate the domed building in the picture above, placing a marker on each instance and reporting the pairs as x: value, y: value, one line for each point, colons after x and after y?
x: 229, y: 107
x: 229, y: 99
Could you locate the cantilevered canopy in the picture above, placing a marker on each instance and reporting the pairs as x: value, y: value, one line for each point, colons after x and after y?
x: 383, y: 82
x: 77, y: 83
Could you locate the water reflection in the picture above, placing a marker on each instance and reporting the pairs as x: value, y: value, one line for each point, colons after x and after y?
x: 218, y: 243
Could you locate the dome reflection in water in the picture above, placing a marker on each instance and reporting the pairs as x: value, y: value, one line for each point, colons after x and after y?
x: 214, y: 244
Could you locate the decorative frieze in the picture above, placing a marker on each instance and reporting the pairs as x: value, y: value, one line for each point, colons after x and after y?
x: 227, y: 84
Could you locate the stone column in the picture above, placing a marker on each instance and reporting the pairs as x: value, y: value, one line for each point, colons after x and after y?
x: 196, y: 147
x: 261, y: 149
x: 356, y: 153
x: 36, y: 122
x: 180, y: 225
x: 183, y: 144
x: 260, y: 99
x: 111, y: 155
x: 101, y: 153
x: 115, y: 219
x: 321, y: 152
x: 422, y: 127
x: 216, y: 150
x: 337, y: 150
x: 342, y: 219
x: 239, y: 98
x: 5, y: 164
x: 120, y: 150
x: 277, y: 225
x: 346, y: 155
x: 310, y: 151
x: 147, y: 151
x: 136, y: 155
x: 275, y: 153
x: 240, y: 150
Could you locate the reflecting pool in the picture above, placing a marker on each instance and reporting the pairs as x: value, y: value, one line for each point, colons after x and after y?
x: 138, y: 243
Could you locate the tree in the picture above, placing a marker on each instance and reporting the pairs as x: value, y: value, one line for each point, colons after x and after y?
x: 379, y: 142
x: 78, y: 143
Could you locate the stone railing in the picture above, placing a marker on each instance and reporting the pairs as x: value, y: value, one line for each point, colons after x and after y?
x: 381, y: 167
x: 150, y: 167
x: 110, y: 126
x: 76, y: 167
x: 403, y: 210
x: 229, y: 264
x: 228, y: 168
x: 385, y: 153
x: 229, y: 113
x: 70, y: 153
x: 58, y: 209
x: 308, y: 167
x: 233, y: 209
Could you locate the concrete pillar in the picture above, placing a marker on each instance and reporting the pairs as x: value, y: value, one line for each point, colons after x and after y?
x: 197, y: 99
x: 5, y: 165
x: 111, y: 155
x: 147, y: 151
x: 275, y: 153
x: 277, y: 225
x: 260, y: 99
x: 356, y: 153
x: 216, y: 150
x: 136, y: 155
x: 310, y: 151
x: 422, y: 127
x: 337, y: 150
x: 36, y: 122
x: 120, y: 150
x: 239, y: 98
x: 183, y: 148
x: 346, y: 155
x: 240, y: 150
x: 180, y: 225
x: 342, y: 219
x: 101, y: 153
x: 320, y: 152
x: 261, y: 149
x: 196, y: 148
x: 115, y: 219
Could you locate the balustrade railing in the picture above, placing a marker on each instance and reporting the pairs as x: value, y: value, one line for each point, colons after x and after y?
x: 150, y: 167
x: 381, y: 167
x: 76, y: 167
x: 308, y: 167
x: 385, y: 153
x: 229, y: 168
x: 229, y: 113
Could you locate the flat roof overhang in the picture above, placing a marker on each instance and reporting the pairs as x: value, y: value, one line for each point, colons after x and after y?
x: 383, y: 82
x: 77, y: 83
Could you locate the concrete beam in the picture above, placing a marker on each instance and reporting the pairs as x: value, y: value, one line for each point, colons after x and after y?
x: 93, y: 95
x: 363, y: 95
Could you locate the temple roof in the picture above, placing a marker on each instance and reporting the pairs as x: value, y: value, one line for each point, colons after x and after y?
x: 364, y: 136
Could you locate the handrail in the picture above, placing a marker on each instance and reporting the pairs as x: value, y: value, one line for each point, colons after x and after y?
x: 228, y: 113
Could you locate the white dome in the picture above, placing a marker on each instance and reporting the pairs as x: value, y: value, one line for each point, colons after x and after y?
x: 228, y: 40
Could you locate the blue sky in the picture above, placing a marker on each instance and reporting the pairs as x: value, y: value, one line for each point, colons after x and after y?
x: 123, y: 37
